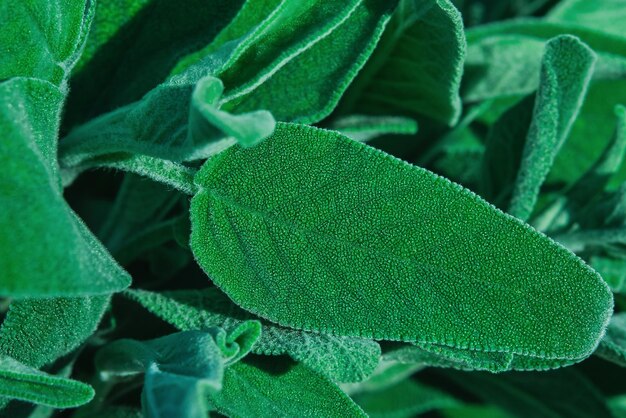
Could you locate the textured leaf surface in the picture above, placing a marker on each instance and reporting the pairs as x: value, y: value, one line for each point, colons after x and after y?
x: 417, y: 66
x: 565, y: 73
x: 405, y: 399
x: 360, y: 272
x: 43, y: 38
x: 343, y: 359
x: 37, y: 332
x: 558, y: 393
x: 271, y: 391
x: 49, y: 244
x: 24, y: 383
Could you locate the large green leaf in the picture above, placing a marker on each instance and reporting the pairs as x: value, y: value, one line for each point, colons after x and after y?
x: 417, y: 67
x: 565, y: 74
x: 343, y: 359
x: 378, y: 248
x: 49, y: 251
x: 24, y: 383
x: 180, y: 369
x: 254, y: 389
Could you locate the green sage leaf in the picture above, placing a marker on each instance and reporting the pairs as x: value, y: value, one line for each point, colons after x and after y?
x: 360, y: 271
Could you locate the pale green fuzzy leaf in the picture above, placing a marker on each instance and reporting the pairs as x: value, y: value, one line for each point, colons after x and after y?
x: 24, y: 383
x: 417, y: 66
x: 364, y: 128
x: 404, y: 399
x: 36, y: 332
x: 180, y: 369
x: 49, y: 245
x: 165, y: 125
x: 602, y: 15
x: 613, y: 345
x: 271, y: 390
x: 342, y: 359
x: 557, y: 393
x: 43, y: 38
x: 205, y: 118
x: 565, y: 74
x: 260, y: 233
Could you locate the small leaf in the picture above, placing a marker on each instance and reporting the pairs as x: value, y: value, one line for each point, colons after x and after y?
x: 248, y: 129
x: 417, y: 66
x: 612, y: 270
x: 405, y: 399
x: 346, y: 247
x: 24, y: 383
x: 180, y: 369
x: 269, y: 391
x: 565, y: 73
x: 365, y: 128
x: 613, y: 345
x: 342, y: 359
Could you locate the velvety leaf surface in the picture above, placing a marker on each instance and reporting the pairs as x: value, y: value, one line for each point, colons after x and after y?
x: 558, y: 393
x: 36, y: 332
x: 343, y: 359
x: 271, y: 391
x: 21, y: 382
x: 565, y: 73
x: 417, y: 66
x: 360, y: 272
x: 180, y: 369
x: 405, y: 399
x: 43, y: 38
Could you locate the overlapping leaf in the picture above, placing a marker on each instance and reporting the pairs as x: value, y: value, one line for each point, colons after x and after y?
x: 18, y: 381
x: 272, y: 390
x: 359, y: 271
x: 417, y: 67
x: 342, y: 359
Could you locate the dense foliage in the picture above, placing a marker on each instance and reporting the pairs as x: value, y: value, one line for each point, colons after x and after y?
x: 271, y: 208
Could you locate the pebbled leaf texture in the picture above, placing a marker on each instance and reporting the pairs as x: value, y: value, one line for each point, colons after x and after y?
x: 360, y: 272
x: 21, y: 382
x: 342, y: 359
x: 565, y: 72
x: 417, y: 66
x: 271, y: 391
